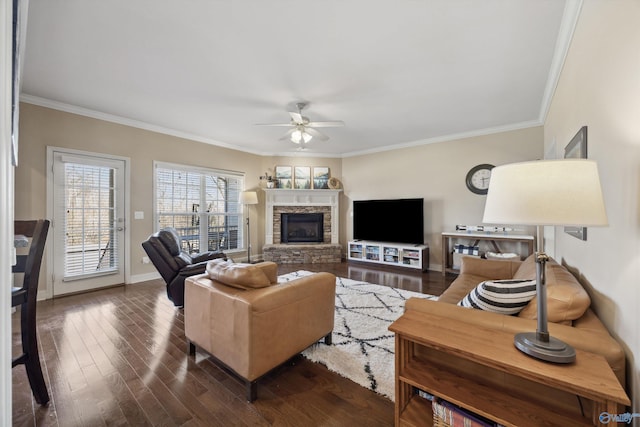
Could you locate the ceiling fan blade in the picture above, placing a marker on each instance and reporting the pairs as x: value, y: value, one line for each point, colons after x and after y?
x: 273, y: 124
x: 302, y: 129
x: 316, y: 134
x: 327, y: 124
x: 297, y: 117
x: 287, y: 136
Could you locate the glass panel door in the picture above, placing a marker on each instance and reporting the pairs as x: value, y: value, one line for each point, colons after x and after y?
x: 88, y: 222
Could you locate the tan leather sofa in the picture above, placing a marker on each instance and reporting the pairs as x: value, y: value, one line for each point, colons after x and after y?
x: 240, y: 315
x: 570, y: 316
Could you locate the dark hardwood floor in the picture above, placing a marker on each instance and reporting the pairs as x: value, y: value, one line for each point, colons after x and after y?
x: 118, y: 357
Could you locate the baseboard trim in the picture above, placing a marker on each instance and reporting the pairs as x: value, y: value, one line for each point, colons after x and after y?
x: 137, y: 278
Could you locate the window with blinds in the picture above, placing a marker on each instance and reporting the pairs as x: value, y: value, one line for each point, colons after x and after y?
x: 202, y: 205
x: 91, y: 244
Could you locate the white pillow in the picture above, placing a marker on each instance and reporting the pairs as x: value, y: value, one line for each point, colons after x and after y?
x: 505, y: 256
x: 501, y: 296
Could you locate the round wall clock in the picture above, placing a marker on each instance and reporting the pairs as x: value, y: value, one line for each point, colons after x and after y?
x: 478, y: 178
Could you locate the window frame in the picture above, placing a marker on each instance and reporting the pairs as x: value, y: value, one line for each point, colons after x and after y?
x: 203, y: 171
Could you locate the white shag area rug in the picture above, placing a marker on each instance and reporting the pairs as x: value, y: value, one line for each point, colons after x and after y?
x: 363, y: 347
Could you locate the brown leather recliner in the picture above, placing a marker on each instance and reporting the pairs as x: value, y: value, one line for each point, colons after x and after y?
x: 175, y: 265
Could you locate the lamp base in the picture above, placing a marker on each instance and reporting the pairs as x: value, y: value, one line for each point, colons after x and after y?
x: 554, y: 350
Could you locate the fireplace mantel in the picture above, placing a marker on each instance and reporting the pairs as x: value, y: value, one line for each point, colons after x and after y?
x: 286, y: 197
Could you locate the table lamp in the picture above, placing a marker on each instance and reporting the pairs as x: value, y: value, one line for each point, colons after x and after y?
x: 248, y: 198
x: 545, y: 192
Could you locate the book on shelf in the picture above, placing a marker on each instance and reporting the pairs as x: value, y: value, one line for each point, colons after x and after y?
x: 423, y: 394
x: 453, y: 415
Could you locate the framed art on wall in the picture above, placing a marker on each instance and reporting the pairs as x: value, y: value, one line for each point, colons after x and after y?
x: 284, y: 176
x: 321, y: 177
x: 577, y: 149
x: 302, y: 178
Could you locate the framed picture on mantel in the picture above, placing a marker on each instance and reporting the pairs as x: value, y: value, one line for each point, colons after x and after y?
x: 321, y: 177
x: 284, y: 176
x: 302, y: 178
x: 577, y: 149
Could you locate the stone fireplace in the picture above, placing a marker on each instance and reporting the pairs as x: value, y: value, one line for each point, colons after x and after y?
x: 303, y: 242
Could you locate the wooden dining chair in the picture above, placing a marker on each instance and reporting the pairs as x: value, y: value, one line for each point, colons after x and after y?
x: 25, y: 296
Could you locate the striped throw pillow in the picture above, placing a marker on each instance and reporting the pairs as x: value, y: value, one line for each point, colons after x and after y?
x: 501, y: 296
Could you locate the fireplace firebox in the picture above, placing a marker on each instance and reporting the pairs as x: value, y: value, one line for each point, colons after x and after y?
x: 302, y: 227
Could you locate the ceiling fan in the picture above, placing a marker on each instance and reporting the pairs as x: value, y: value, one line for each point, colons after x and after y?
x: 302, y: 129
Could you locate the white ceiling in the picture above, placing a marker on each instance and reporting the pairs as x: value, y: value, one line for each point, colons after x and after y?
x: 398, y: 73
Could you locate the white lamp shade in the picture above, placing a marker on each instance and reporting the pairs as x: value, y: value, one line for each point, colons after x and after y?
x: 546, y: 192
x: 248, y: 198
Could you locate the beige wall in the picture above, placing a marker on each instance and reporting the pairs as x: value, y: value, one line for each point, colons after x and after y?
x: 437, y: 173
x: 41, y: 127
x: 600, y: 87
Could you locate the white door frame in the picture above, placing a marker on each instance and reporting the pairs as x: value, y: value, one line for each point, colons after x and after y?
x: 51, y: 209
x: 6, y: 210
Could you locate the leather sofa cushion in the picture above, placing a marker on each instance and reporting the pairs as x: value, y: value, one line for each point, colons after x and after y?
x: 463, y: 284
x: 566, y: 298
x: 243, y: 276
x: 270, y: 269
x: 475, y: 270
x: 527, y: 270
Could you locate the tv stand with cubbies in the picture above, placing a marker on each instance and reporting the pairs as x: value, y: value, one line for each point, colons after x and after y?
x: 392, y: 254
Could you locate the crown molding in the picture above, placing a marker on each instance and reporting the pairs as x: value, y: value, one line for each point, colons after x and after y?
x: 56, y: 105
x: 451, y: 137
x: 81, y: 111
x: 568, y: 25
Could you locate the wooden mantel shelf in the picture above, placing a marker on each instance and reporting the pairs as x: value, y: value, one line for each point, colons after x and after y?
x: 301, y: 192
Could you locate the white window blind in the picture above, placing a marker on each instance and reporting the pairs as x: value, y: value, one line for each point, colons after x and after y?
x: 91, y: 245
x: 201, y: 204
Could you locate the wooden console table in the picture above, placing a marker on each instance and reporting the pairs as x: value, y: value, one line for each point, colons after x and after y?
x: 493, y: 238
x: 480, y: 370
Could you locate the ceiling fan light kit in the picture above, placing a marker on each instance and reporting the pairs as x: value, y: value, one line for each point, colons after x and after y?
x: 303, y: 129
x: 299, y: 135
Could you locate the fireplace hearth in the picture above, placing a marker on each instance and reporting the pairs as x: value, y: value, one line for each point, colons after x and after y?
x: 302, y: 228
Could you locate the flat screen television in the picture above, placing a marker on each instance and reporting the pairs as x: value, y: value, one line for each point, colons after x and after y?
x: 392, y: 221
